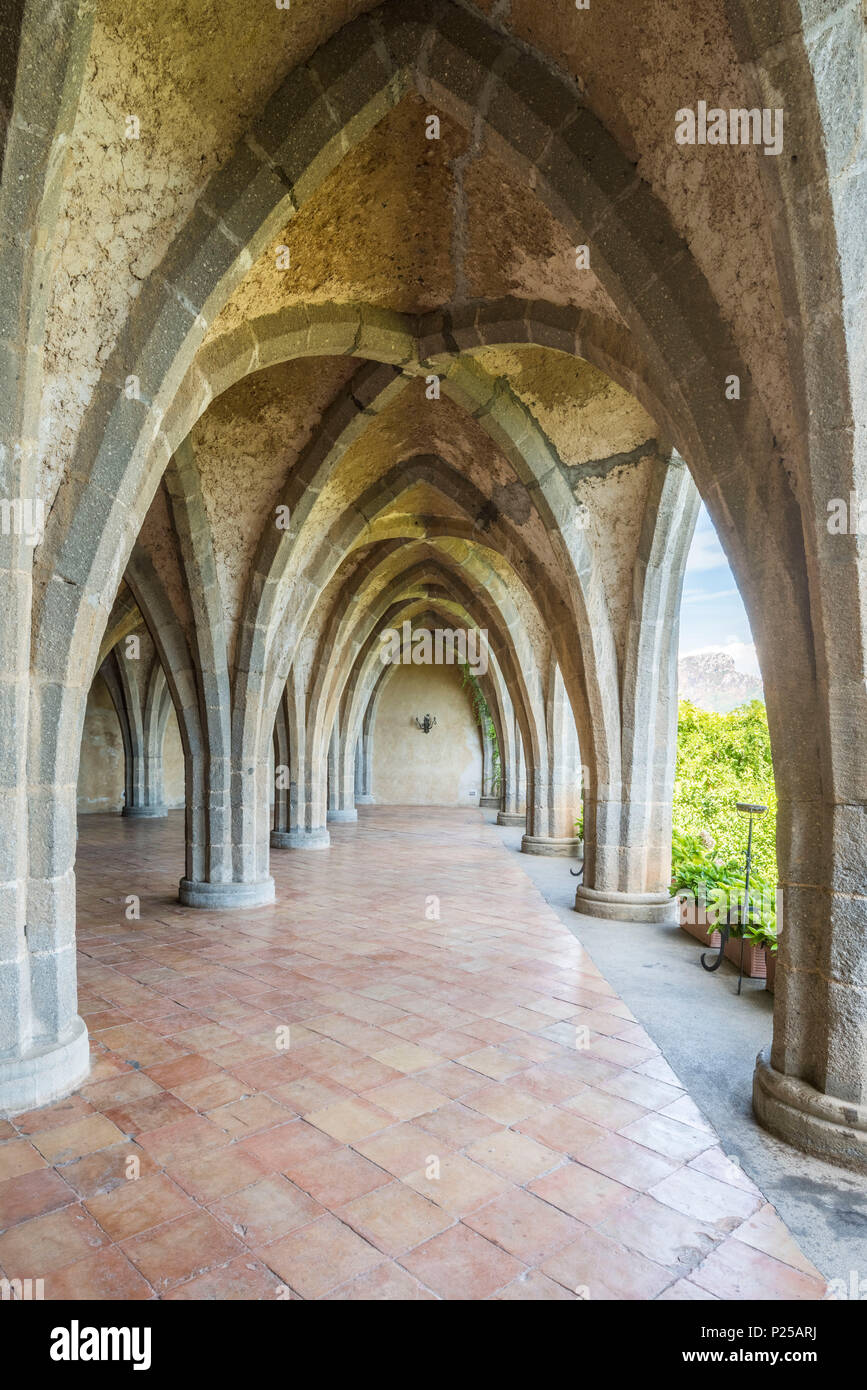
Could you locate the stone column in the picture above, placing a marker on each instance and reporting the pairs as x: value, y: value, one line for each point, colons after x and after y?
x: 514, y: 810
x: 627, y: 822
x: 555, y: 789
x: 364, y: 755
x: 341, y: 797
x: 489, y: 798
x: 307, y: 802
x: 141, y: 700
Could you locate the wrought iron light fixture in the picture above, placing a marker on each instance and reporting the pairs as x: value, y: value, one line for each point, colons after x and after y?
x: 427, y: 723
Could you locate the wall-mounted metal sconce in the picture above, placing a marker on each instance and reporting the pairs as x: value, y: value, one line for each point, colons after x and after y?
x: 427, y: 723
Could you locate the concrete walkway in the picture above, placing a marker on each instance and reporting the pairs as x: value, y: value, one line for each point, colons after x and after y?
x: 405, y: 1080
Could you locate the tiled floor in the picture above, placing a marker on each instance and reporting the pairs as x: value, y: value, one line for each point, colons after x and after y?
x: 406, y: 1080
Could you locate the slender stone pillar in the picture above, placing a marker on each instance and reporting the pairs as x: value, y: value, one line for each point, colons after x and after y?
x: 308, y: 785
x: 627, y: 822
x: 137, y: 685
x: 514, y: 810
x: 555, y: 787
x: 341, y: 797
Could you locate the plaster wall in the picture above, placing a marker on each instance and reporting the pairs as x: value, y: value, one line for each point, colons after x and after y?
x: 411, y: 768
x: 101, y: 768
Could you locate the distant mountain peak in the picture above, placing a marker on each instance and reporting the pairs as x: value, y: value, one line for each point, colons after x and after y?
x: 713, y: 682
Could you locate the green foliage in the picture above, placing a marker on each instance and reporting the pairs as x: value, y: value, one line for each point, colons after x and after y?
x: 720, y: 886
x: 485, y: 723
x: 723, y: 759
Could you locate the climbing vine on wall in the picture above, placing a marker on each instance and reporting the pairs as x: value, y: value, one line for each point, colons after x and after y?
x: 485, y: 723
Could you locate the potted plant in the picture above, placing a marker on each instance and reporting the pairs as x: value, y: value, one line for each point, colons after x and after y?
x: 712, y: 891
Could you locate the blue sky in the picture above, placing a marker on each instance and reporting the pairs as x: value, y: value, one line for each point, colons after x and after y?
x: 712, y: 616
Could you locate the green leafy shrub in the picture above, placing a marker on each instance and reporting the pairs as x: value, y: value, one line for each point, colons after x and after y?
x: 723, y: 759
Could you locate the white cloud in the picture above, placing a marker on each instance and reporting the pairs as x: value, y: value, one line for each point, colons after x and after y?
x: 705, y: 553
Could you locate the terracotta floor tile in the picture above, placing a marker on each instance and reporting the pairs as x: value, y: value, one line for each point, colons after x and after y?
x: 514, y: 1156
x: 84, y: 1136
x: 213, y: 1174
x: 452, y: 1079
x: 34, y: 1249
x: 337, y: 1176
x: 460, y: 1264
x: 151, y: 1113
x: 179, y: 1249
x: 662, y: 1234
x: 348, y: 1120
x: 18, y: 1156
x: 317, y: 1259
x: 386, y: 1282
x: 394, y: 1218
x: 534, y: 1287
x: 101, y: 1171
x: 694, y: 1194
x: 606, y: 1269
x: 121, y: 1089
x: 642, y: 1090
x: 266, y: 1210
x: 582, y: 1192
x: 457, y: 1184
x: 137, y: 1206
x: 181, y: 1070
x: 209, y: 1092
x: 406, y: 1099
x: 562, y: 1129
x: 494, y: 1062
x: 241, y: 1279
x: 308, y: 1093
x: 630, y: 1163
x: 524, y: 1226
x: 182, y: 1139
x: 432, y: 1076
x: 503, y: 1103
x: 457, y: 1125
x: 738, y: 1271
x: 32, y: 1194
x: 285, y: 1144
x: 400, y: 1149
x: 250, y: 1115
x: 611, y: 1112
x: 684, y: 1291
x: 765, y: 1231
x: 668, y: 1137
x: 63, y: 1112
x: 105, y: 1275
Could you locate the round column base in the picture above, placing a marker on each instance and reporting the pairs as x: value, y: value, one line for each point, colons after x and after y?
x: 343, y: 817
x: 567, y: 848
x: 657, y: 908
x: 226, y: 895
x: 145, y: 812
x: 365, y: 800
x: 796, y: 1112
x: 300, y: 839
x: 511, y: 818
x: 45, y: 1073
